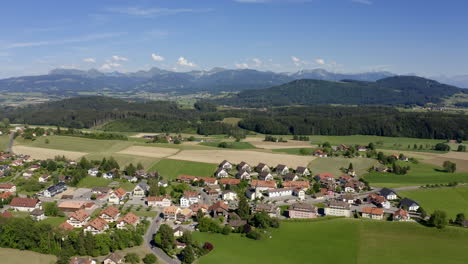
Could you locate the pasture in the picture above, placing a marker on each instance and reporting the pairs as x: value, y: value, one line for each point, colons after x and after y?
x: 4, y: 140
x: 170, y: 169
x: 450, y: 200
x: 333, y: 165
x: 44, y: 153
x: 15, y: 256
x: 342, y: 241
x: 233, y: 145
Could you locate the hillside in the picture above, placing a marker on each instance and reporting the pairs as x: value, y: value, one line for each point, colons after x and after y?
x: 397, y: 90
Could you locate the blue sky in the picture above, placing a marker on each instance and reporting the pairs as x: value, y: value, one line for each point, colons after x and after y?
x: 426, y: 37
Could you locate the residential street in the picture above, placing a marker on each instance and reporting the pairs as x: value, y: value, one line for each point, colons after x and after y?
x: 162, y: 256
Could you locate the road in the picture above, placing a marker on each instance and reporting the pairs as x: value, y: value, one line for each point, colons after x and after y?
x: 162, y: 256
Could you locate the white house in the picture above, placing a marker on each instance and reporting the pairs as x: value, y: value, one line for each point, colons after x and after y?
x: 93, y: 172
x: 221, y: 173
x: 159, y: 201
x: 38, y: 214
x: 229, y: 195
x: 25, y: 204
x: 79, y: 218
x: 282, y: 169
x: 389, y: 194
x: 225, y: 165
x: 372, y: 213
x: 141, y: 189
x: 96, y: 226
x: 189, y: 198
x: 338, y: 208
x: 108, y: 176
x: 7, y: 187
x: 410, y: 204
x: 243, y: 175
x: 44, y: 178
x: 280, y: 192
x: 117, y: 196
x: 128, y: 219
x: 265, y: 176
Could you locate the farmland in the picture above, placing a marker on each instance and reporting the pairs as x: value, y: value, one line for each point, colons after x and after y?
x: 334, y: 164
x: 14, y: 256
x: 450, y: 200
x: 170, y: 169
x: 358, y: 241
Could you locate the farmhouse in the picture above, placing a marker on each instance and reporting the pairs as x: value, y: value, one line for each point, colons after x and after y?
x: 159, y: 201
x: 303, y: 171
x: 263, y: 185
x: 410, y: 204
x: 78, y: 219
x: 389, y: 194
x: 55, y: 189
x: 243, y: 166
x: 96, y: 226
x: 401, y: 215
x: 262, y: 167
x: 25, y: 204
x: 7, y: 187
x: 221, y: 173
x: 225, y: 165
x: 338, y: 208
x: 128, y: 219
x: 302, y: 210
x: 280, y: 192
x: 372, y: 213
x: 110, y: 214
x: 265, y: 176
x: 271, y: 209
x: 189, y: 198
x: 141, y: 189
x: 187, y: 178
x: 243, y: 175
x: 117, y: 196
x: 282, y: 169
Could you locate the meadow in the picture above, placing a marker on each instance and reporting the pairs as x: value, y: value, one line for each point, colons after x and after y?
x: 420, y: 174
x: 4, y: 139
x: 342, y: 241
x: 232, y: 145
x: 170, y: 169
x: 450, y: 200
x: 333, y: 165
x: 15, y: 256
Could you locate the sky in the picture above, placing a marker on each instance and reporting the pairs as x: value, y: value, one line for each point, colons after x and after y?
x: 424, y: 37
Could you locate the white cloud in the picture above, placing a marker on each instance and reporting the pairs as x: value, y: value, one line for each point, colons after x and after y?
x: 149, y: 12
x: 157, y: 57
x: 118, y: 58
x: 257, y: 62
x: 184, y: 62
x: 299, y: 62
x: 90, y: 60
x: 109, y: 66
x: 241, y: 65
x: 365, y: 2
x: 320, y: 61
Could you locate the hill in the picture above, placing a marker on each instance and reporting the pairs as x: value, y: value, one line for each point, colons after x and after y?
x: 397, y: 90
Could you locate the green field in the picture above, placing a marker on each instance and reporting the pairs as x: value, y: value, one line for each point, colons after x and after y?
x: 333, y: 165
x: 124, y: 159
x: 234, y: 145
x: 90, y: 182
x: 420, y: 174
x: 15, y: 256
x: 4, y: 139
x: 54, y: 221
x: 342, y: 241
x: 170, y: 169
x: 294, y: 151
x: 450, y: 200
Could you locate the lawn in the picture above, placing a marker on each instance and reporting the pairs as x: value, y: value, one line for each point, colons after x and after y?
x: 4, y: 140
x: 15, y: 256
x: 333, y: 165
x: 450, y: 200
x: 420, y: 174
x: 233, y: 145
x: 342, y: 241
x: 55, y: 221
x: 144, y: 213
x: 90, y: 182
x: 170, y: 169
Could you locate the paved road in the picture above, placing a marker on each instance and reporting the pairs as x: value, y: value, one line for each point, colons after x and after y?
x: 162, y: 256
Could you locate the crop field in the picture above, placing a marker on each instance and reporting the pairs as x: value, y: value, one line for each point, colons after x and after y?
x: 333, y: 165
x: 234, y: 145
x: 170, y: 169
x: 420, y: 174
x: 237, y: 156
x: 342, y: 241
x: 15, y: 256
x: 460, y: 158
x: 260, y: 143
x: 43, y: 153
x: 151, y: 152
x: 77, y: 144
x: 450, y: 200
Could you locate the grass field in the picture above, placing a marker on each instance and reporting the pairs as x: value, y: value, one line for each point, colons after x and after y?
x: 450, y: 200
x: 420, y: 174
x: 90, y: 182
x: 15, y: 256
x: 77, y: 144
x: 170, y: 169
x: 4, y: 139
x: 334, y: 164
x: 295, y: 151
x: 342, y: 241
x: 234, y: 145
x: 54, y: 221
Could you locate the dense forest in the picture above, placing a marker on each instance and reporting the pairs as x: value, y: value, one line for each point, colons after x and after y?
x: 398, y: 90
x: 117, y: 115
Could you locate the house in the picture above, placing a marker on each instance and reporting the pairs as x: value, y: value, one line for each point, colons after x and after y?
x: 159, y: 201
x: 110, y: 214
x: 66, y: 226
x: 279, y: 192
x: 389, y: 194
x: 243, y: 166
x: 208, y: 180
x: 261, y: 167
x: 229, y: 195
x: 225, y: 165
x: 141, y: 189
x: 299, y: 193
x: 324, y: 176
x: 281, y: 169
x: 130, y: 178
x: 186, y: 178
x: 378, y: 200
x: 263, y: 185
x: 6, y: 214
x: 44, y: 178
x: 338, y: 208
x: 96, y: 226
x: 225, y: 182
x: 163, y: 183
x: 212, y: 191
x: 117, y: 196
x: 189, y: 198
x: 348, y: 198
x: 304, y: 185
x: 243, y: 175
x: 197, y: 207
x: 100, y: 190
x: 349, y: 187
x: 219, y: 208
x: 108, y: 176
x: 114, y: 258
x: 79, y: 218
x: 271, y: 209
x: 55, y: 189
x: 37, y: 214
x: 71, y: 206
x: 7, y: 187
x: 361, y: 148
x: 401, y: 215
x: 179, y: 231
x: 265, y: 176
x: 27, y: 175
x: 93, y: 172
x: 372, y: 213
x: 410, y: 204
x: 302, y: 210
x: 25, y: 204
x: 184, y: 215
x: 253, y: 194
x: 221, y: 173
x: 5, y: 195
x: 77, y: 260
x: 290, y: 177
x: 17, y: 163
x: 128, y: 219
x: 170, y: 212
x: 320, y: 153
x: 303, y: 171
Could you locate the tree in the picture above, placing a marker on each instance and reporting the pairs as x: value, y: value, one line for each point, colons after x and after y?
x: 422, y: 212
x: 261, y: 220
x: 371, y: 146
x: 150, y: 259
x: 460, y: 218
x: 438, y: 219
x: 316, y: 187
x: 51, y: 209
x: 132, y: 258
x: 140, y: 166
x: 164, y: 238
x: 350, y: 167
x: 450, y: 166
x: 187, y: 255
x: 226, y: 230
x: 442, y: 147
x: 243, y: 209
x: 130, y: 169
x: 461, y: 148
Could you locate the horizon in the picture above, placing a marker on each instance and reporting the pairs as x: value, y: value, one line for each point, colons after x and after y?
x: 344, y: 36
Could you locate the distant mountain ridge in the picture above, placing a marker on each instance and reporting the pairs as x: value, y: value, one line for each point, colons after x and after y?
x: 70, y: 82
